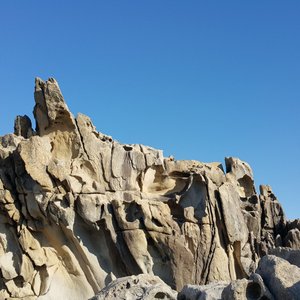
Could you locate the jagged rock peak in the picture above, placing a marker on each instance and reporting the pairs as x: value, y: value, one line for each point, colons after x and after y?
x: 51, y: 112
x: 80, y: 212
x: 23, y: 127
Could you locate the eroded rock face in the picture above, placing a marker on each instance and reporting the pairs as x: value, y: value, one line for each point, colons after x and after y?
x: 240, y: 289
x: 79, y: 209
x: 211, y: 291
x: 143, y: 287
x: 281, y: 277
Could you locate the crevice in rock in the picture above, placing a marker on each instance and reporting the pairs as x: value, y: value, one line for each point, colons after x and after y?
x: 81, y: 139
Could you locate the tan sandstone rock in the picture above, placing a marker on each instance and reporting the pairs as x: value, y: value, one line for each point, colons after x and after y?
x: 79, y: 209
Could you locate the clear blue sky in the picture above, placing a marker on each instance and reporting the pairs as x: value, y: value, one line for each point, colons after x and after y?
x: 199, y: 79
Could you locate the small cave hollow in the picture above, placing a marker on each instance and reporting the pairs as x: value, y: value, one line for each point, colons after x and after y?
x: 132, y: 211
x: 127, y: 148
x: 253, y: 291
x: 246, y: 183
x: 160, y: 295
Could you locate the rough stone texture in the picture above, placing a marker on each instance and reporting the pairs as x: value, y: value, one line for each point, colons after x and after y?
x: 143, y: 287
x: 79, y: 209
x: 292, y: 237
x: 212, y: 291
x: 273, y: 220
x: 240, y: 289
x: 291, y: 255
x: 23, y: 127
x: 281, y: 277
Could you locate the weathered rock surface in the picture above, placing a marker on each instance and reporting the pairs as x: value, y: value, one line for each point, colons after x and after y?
x: 211, y: 291
x: 281, y: 277
x: 143, y: 287
x: 78, y: 209
x: 240, y: 289
x: 253, y: 289
x: 291, y: 255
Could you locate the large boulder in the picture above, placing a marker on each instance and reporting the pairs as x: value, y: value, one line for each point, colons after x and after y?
x: 281, y: 277
x: 252, y: 289
x: 143, y: 287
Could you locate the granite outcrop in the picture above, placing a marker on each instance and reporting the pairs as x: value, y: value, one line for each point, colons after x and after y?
x: 81, y: 213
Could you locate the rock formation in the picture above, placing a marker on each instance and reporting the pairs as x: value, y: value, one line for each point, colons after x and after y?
x: 79, y: 209
x: 143, y: 287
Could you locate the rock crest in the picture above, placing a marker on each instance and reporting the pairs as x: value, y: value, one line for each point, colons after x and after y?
x: 79, y: 209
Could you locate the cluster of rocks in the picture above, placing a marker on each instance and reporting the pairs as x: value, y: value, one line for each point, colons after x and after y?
x: 82, y: 216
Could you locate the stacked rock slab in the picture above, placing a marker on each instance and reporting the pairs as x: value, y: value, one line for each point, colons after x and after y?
x: 79, y: 209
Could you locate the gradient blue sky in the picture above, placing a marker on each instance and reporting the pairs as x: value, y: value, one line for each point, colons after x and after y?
x: 199, y: 79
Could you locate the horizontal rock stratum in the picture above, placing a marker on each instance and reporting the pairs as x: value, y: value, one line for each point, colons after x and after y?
x: 81, y: 212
